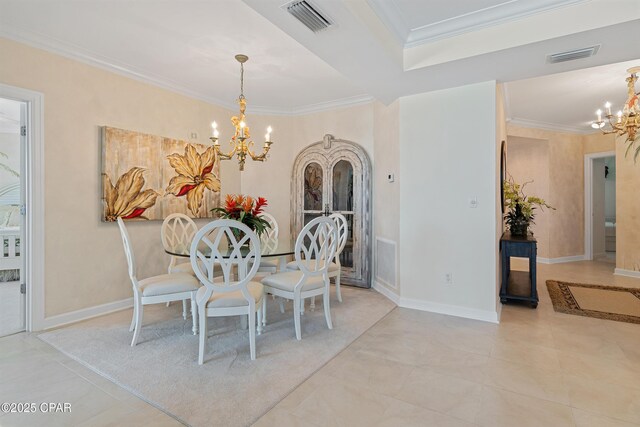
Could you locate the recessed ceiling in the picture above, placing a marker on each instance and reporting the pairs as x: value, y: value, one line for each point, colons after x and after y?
x: 568, y: 101
x: 185, y: 46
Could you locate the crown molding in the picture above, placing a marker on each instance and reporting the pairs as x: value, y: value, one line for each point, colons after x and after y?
x: 555, y: 127
x: 76, y: 53
x: 389, y: 13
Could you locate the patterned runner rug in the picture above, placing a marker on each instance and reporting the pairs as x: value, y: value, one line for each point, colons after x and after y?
x: 603, y: 302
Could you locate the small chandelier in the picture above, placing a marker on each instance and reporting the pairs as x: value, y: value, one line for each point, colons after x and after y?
x: 240, y: 146
x: 627, y: 120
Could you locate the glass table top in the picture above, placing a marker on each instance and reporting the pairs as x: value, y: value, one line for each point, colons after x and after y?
x: 283, y: 247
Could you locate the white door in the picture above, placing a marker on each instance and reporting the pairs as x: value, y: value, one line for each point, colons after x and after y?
x: 13, y: 121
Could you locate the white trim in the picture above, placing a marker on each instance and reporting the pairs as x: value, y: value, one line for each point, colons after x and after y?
x: 34, y: 231
x: 588, y: 200
x: 433, y: 307
x: 560, y: 260
x: 554, y: 127
x: 384, y: 290
x: 627, y: 273
x: 375, y: 257
x: 389, y: 13
x: 451, y: 310
x: 86, y: 313
x: 78, y: 54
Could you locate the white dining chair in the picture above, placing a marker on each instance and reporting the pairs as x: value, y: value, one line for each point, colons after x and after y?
x: 225, y: 296
x: 315, y: 248
x: 269, y: 242
x: 157, y: 289
x: 335, y: 268
x: 176, y: 233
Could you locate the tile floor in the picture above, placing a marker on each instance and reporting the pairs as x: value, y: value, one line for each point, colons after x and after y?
x: 537, y: 368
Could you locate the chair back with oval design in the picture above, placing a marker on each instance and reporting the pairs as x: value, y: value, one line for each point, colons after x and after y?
x: 343, y: 231
x: 215, y: 246
x: 316, y: 246
x: 269, y: 239
x: 177, y: 232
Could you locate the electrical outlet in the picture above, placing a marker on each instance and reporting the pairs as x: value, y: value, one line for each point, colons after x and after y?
x: 473, y: 202
x: 391, y: 177
x: 194, y: 135
x: 448, y: 278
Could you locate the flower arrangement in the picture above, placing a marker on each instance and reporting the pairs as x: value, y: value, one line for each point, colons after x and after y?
x: 245, y: 209
x: 521, y: 207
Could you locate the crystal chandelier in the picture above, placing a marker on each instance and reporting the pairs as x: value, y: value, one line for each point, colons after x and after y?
x: 628, y: 119
x: 240, y: 146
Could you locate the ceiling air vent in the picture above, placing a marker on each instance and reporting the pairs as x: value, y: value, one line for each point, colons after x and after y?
x: 570, y: 55
x: 304, y: 12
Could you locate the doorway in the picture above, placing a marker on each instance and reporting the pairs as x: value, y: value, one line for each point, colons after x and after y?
x: 13, y: 123
x: 600, y: 206
x: 334, y: 176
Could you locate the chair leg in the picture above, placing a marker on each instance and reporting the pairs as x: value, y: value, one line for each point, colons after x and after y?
x: 259, y: 319
x: 184, y: 309
x: 203, y: 334
x: 194, y: 313
x: 252, y: 332
x: 281, y: 303
x: 133, y: 317
x: 297, y: 303
x: 327, y: 309
x: 264, y: 310
x: 312, y: 306
x: 136, y: 333
x: 338, y: 287
x: 168, y: 303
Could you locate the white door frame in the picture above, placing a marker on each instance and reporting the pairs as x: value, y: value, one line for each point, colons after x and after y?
x: 34, y: 201
x: 588, y: 200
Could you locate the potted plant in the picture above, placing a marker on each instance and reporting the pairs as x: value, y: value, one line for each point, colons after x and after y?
x: 245, y: 209
x: 520, y: 207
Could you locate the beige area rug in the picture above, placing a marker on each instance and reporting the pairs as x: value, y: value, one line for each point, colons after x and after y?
x: 603, y: 302
x: 229, y: 389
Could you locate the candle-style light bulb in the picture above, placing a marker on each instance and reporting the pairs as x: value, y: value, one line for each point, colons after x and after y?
x: 242, y: 126
x: 267, y: 136
x: 214, y: 129
x: 619, y: 116
x: 599, y: 113
x: 608, y: 107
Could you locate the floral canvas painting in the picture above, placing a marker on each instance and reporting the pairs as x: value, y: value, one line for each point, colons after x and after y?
x: 148, y: 177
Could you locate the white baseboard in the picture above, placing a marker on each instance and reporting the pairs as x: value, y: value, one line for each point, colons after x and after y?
x: 560, y: 260
x: 451, y: 310
x: 377, y: 286
x: 85, y: 313
x: 627, y: 273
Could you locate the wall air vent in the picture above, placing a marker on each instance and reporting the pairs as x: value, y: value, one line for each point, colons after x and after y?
x: 570, y: 55
x: 304, y: 12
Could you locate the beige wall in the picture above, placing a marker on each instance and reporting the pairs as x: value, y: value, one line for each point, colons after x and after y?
x: 566, y: 184
x: 627, y: 209
x: 84, y: 264
x: 529, y: 161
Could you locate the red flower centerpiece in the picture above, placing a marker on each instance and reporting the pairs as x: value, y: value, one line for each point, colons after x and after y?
x: 245, y: 209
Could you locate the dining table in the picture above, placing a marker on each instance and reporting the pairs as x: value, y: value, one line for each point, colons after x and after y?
x: 281, y: 249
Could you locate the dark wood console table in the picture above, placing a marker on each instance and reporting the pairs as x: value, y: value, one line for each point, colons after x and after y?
x: 518, y: 285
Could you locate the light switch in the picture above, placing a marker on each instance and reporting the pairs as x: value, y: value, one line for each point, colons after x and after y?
x: 473, y: 202
x: 194, y: 135
x: 391, y: 177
